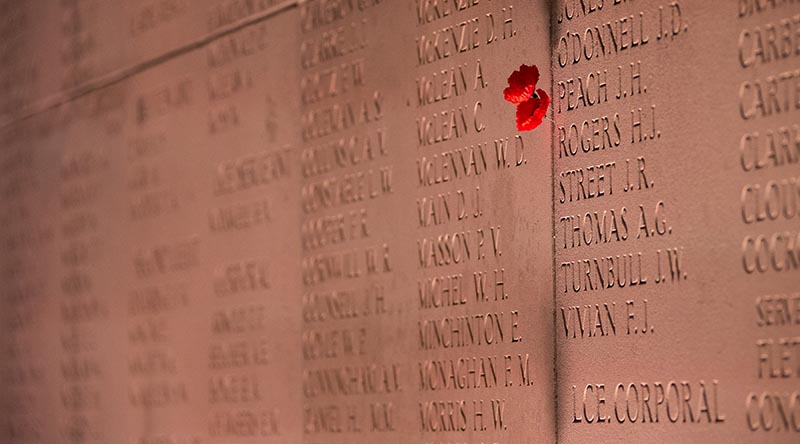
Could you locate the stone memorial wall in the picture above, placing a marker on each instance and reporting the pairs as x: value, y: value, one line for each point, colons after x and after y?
x: 322, y: 221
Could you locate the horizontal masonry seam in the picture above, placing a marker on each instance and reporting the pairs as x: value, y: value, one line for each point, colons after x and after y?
x: 119, y: 75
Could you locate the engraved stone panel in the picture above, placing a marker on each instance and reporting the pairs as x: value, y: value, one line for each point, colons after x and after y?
x: 675, y: 238
x: 167, y: 284
x: 482, y: 227
x: 29, y: 285
x: 55, y: 51
x: 211, y: 175
x: 424, y: 312
x: 252, y: 218
x: 161, y: 213
x: 356, y: 376
x: 89, y: 373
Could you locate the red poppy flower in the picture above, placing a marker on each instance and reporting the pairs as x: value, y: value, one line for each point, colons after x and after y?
x: 531, y: 103
x: 531, y: 112
x: 521, y: 84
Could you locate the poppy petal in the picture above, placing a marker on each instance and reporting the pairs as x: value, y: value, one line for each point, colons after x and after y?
x: 531, y: 112
x: 544, y: 105
x: 521, y: 84
x: 518, y: 95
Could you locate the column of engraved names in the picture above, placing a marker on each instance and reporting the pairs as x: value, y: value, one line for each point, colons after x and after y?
x: 88, y: 310
x: 768, y: 47
x: 349, y: 383
x: 163, y: 308
x: 250, y: 222
x: 472, y: 367
x: 26, y: 296
x: 20, y: 76
x: 617, y: 257
x: 78, y: 44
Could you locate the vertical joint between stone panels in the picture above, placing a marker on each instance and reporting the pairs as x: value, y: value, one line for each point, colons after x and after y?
x: 550, y: 11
